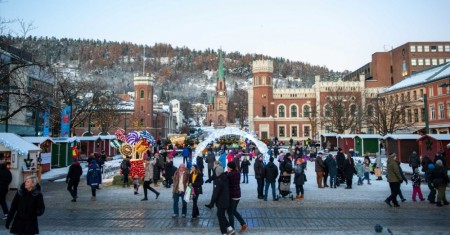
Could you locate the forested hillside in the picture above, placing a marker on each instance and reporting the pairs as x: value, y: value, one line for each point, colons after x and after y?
x: 176, y: 69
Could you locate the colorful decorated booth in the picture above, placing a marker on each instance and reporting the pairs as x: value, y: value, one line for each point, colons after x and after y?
x: 134, y: 146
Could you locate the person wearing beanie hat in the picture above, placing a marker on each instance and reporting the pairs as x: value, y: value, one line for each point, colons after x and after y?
x: 440, y: 180
x: 221, y: 198
x: 271, y: 174
x: 234, y: 179
x: 428, y: 177
x: 258, y: 167
x: 394, y: 178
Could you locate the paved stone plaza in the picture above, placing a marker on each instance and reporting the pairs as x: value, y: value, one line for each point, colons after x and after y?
x: 323, y: 211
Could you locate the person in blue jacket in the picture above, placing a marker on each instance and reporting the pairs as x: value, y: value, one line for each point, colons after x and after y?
x: 94, y: 178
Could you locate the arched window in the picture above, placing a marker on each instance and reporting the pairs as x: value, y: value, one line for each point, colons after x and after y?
x: 293, y: 110
x: 327, y: 111
x: 256, y: 81
x: 353, y: 110
x: 281, y: 110
x: 264, y: 80
x: 142, y: 94
x: 306, y: 111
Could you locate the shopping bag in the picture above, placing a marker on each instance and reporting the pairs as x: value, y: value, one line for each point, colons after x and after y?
x: 187, y: 194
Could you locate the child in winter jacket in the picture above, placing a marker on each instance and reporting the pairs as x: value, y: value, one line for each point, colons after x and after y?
x: 360, y: 172
x: 416, y: 179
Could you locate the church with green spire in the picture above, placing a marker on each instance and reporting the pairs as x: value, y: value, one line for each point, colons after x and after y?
x: 218, y: 102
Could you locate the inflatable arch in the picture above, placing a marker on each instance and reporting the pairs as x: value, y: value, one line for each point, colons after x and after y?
x: 217, y: 133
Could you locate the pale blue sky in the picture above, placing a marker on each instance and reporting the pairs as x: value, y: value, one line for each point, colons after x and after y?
x: 339, y: 34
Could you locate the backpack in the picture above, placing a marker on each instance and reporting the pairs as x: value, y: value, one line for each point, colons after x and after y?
x: 94, y: 174
x: 123, y: 165
x: 298, y: 169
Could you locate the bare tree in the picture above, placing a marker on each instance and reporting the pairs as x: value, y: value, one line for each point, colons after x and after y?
x: 389, y: 114
x: 342, y: 110
x: 25, y: 27
x: 238, y: 106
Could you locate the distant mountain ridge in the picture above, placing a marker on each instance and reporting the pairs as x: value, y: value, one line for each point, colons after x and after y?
x: 175, y: 69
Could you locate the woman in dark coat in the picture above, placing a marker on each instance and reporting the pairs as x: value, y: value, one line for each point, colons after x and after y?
x: 221, y: 198
x: 196, y: 181
x: 27, y: 205
x: 349, y: 170
x: 244, y: 168
x: 156, y: 172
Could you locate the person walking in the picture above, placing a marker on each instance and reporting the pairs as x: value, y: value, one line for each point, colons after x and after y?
x: 440, y: 180
x: 168, y: 172
x: 199, y: 161
x: 429, y: 178
x: 210, y: 159
x: 94, y: 178
x: 416, y: 181
x: 180, y: 182
x: 360, y: 172
x: 196, y: 182
x: 331, y: 164
x: 221, y: 198
x: 400, y: 194
x: 367, y: 168
x: 5, y: 180
x: 156, y: 170
x: 73, y: 179
x: 148, y: 177
x: 26, y: 206
x: 259, y: 175
x: 270, y: 176
x: 349, y: 171
x: 394, y: 178
x: 320, y: 168
x: 378, y: 167
x: 299, y: 177
x: 245, y: 164
x: 234, y: 179
x: 340, y: 159
x: 125, y: 167
x: 414, y: 161
x: 185, y: 154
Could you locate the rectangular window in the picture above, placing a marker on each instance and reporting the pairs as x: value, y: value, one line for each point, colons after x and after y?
x: 440, y: 90
x: 420, y: 62
x: 413, y: 62
x: 447, y: 60
x: 422, y: 114
x: 427, y: 62
x: 281, y: 131
x: 370, y: 130
x: 448, y: 110
x: 441, y: 61
x: 447, y: 48
x: 264, y: 111
x: 441, y: 111
x: 294, y: 131
x: 419, y: 48
x: 416, y: 115
x: 434, y: 61
x: 409, y: 116
x: 433, y: 113
x: 426, y: 48
x: 412, y: 48
x: 430, y: 91
x: 415, y: 95
x: 440, y: 48
x: 306, y: 131
x: 433, y: 48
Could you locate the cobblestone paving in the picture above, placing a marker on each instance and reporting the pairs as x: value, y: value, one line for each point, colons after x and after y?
x: 323, y: 211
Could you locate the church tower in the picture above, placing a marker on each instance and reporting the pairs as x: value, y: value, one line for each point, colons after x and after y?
x: 143, y: 101
x: 218, y: 106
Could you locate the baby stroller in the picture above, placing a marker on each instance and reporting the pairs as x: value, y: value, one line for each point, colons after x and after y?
x: 284, y: 187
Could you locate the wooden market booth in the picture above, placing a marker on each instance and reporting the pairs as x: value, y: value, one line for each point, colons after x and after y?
x: 20, y: 156
x: 367, y: 144
x: 431, y: 144
x: 346, y: 142
x: 95, y: 144
x: 328, y: 141
x: 45, y: 156
x: 402, y: 144
x: 62, y: 151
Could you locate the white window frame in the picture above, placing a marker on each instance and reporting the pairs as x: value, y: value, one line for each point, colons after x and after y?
x: 430, y: 91
x: 419, y: 48
x: 440, y: 48
x: 420, y: 62
x: 290, y: 109
x: 292, y: 127
x: 412, y: 48
x: 434, y: 61
x: 441, y: 111
x: 413, y: 62
x: 448, y: 110
x: 310, y: 131
x: 432, y: 112
x: 278, y: 130
x: 278, y: 110
x: 427, y: 61
x: 447, y: 48
x: 441, y: 61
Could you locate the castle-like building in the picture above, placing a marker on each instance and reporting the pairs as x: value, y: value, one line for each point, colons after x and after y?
x: 218, y: 103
